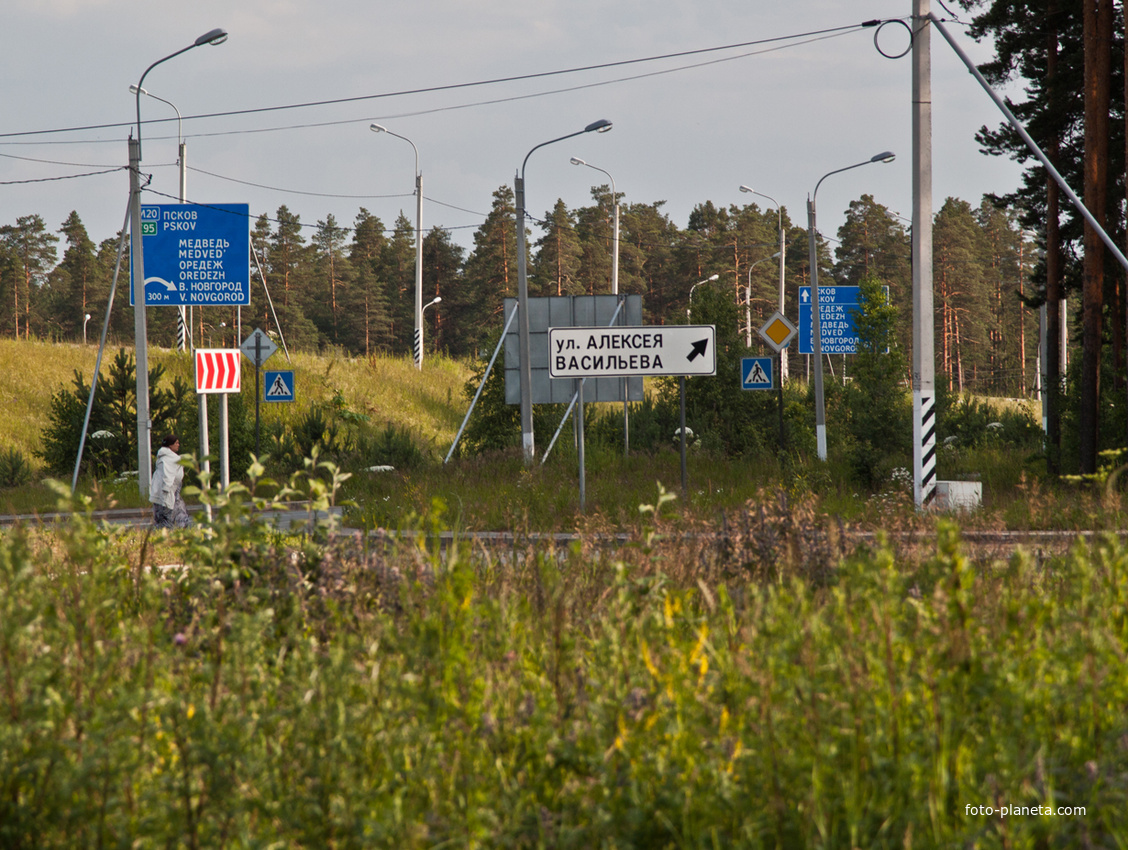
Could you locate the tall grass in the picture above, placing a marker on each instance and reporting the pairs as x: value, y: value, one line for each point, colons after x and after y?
x: 764, y: 689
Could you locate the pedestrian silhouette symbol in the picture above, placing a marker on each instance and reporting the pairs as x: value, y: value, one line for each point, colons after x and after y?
x: 757, y: 376
x: 278, y: 389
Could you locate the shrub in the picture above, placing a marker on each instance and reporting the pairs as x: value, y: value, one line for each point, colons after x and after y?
x: 391, y: 447
x: 879, y: 412
x: 114, y: 412
x: 15, y: 471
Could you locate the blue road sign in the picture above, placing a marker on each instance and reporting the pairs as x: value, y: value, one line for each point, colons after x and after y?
x: 837, y: 305
x: 196, y: 255
x: 278, y: 385
x: 755, y: 373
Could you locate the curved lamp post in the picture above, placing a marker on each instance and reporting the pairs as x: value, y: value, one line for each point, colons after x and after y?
x: 614, y: 288
x: 183, y: 325
x: 615, y: 235
x: 748, y: 305
x: 782, y: 260
x: 140, y: 326
x: 689, y: 306
x: 422, y: 309
x: 84, y: 321
x: 526, y: 371
x: 816, y: 330
x: 417, y: 346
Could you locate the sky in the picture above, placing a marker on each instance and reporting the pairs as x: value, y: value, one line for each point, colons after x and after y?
x: 794, y: 102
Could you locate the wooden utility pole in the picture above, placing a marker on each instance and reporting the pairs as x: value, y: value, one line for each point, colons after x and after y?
x: 1098, y: 64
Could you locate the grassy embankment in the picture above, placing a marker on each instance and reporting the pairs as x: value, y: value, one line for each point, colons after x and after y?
x: 498, y: 492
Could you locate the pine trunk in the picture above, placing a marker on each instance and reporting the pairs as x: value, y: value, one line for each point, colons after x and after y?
x: 1098, y: 50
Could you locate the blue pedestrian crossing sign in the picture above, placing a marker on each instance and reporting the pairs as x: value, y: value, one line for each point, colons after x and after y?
x: 278, y: 385
x: 756, y: 373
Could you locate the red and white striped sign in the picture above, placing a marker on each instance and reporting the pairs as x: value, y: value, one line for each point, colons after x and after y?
x: 217, y: 370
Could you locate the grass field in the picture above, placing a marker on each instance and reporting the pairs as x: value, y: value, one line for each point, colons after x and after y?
x: 765, y: 687
x: 497, y: 491
x: 731, y: 669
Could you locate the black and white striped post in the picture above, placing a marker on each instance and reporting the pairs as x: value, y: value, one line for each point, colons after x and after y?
x: 924, y: 359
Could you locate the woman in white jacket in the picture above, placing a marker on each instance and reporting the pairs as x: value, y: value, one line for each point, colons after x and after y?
x: 169, y: 510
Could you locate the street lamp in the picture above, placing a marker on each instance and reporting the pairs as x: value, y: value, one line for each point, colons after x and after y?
x: 748, y: 304
x: 84, y: 321
x: 614, y: 288
x: 782, y: 260
x: 182, y: 320
x: 615, y: 236
x: 136, y: 251
x: 417, y: 345
x: 816, y: 330
x: 430, y: 303
x: 690, y: 305
x: 526, y: 371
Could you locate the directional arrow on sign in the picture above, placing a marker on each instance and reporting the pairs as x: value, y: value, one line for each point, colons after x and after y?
x: 804, y: 295
x: 632, y: 350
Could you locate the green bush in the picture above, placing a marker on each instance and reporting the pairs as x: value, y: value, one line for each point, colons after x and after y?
x: 391, y: 447
x: 878, y: 409
x: 15, y: 471
x: 113, y: 418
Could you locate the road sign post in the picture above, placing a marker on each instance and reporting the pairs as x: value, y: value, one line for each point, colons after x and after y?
x: 258, y: 347
x: 625, y: 351
x: 778, y: 333
x: 618, y: 351
x: 838, y: 310
x: 217, y: 371
x: 756, y: 373
x: 196, y: 255
x: 279, y: 385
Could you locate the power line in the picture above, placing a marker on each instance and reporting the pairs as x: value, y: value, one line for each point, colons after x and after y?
x: 456, y: 86
x: 297, y: 191
x: 64, y: 177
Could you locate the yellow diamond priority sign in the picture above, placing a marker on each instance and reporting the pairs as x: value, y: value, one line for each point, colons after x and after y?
x: 777, y: 331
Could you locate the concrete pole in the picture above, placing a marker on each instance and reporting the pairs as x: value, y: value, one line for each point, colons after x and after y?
x: 140, y: 326
x: 526, y: 370
x: 418, y: 268
x: 816, y: 331
x: 184, y: 324
x: 924, y: 356
x: 782, y: 299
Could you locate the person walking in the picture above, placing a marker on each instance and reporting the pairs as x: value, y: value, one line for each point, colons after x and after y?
x: 169, y: 510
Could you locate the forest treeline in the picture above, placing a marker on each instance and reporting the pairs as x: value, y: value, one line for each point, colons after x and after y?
x: 352, y: 287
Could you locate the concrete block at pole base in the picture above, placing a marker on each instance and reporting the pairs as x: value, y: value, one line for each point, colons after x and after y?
x: 958, y: 495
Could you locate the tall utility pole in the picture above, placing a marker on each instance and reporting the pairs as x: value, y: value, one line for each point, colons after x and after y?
x: 924, y: 355
x: 526, y: 371
x: 140, y: 322
x: 140, y: 326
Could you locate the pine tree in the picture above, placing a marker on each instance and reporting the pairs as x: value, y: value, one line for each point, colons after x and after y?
x: 365, y: 253
x: 33, y: 247
x: 646, y: 259
x: 1060, y: 48
x: 873, y: 243
x: 490, y: 276
x: 958, y: 280
x: 332, y: 273
x: 284, y: 258
x: 398, y: 272
x: 595, y: 229
x: 442, y: 276
x: 287, y: 268
x: 556, y: 267
x: 77, y: 281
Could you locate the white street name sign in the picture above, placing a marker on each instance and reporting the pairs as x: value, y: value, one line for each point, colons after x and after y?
x: 632, y: 351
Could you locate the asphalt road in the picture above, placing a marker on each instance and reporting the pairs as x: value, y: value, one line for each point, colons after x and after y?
x: 293, y: 514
